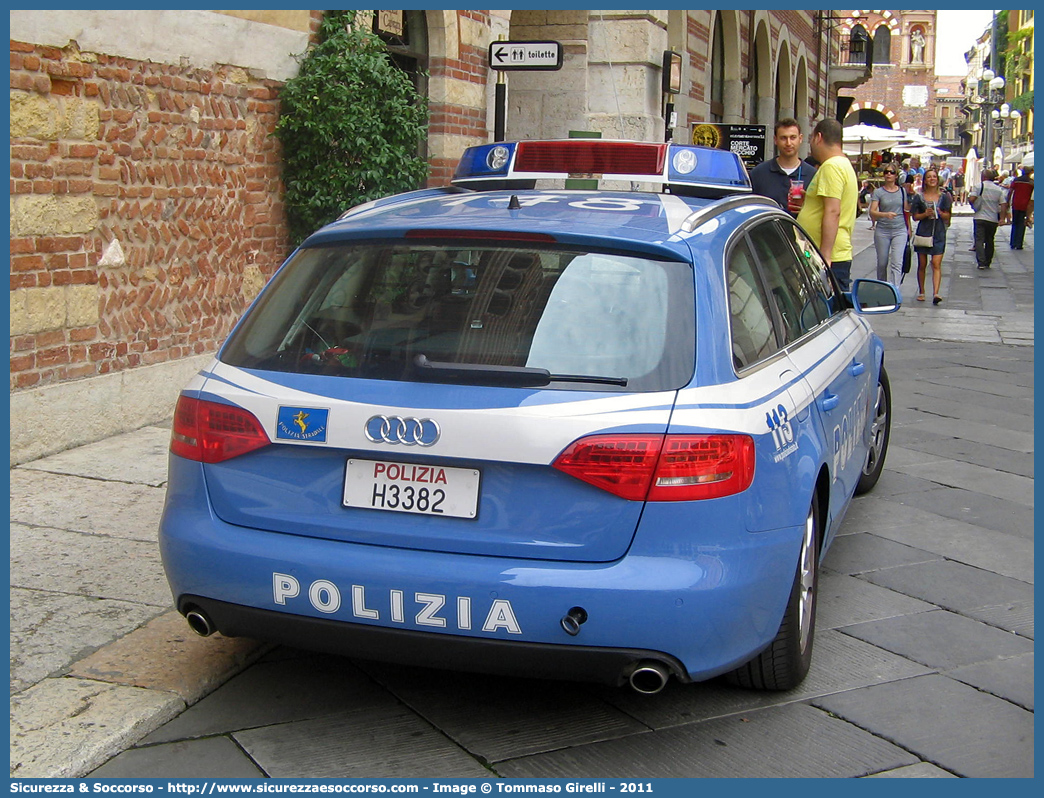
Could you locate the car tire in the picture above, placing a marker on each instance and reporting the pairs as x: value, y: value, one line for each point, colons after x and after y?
x: 880, y: 431
x: 785, y: 663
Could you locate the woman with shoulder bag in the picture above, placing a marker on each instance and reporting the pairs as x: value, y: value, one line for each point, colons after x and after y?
x: 888, y: 208
x: 931, y: 210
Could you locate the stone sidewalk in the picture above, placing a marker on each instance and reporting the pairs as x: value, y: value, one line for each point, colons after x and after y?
x: 930, y: 584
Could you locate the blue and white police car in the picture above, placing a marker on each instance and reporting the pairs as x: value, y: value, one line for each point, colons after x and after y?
x: 510, y: 426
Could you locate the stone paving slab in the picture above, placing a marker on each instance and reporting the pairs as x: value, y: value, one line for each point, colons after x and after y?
x: 982, y: 455
x: 79, y: 504
x: 862, y: 552
x: 974, y: 432
x: 384, y: 741
x: 987, y: 369
x: 215, y: 757
x: 929, y: 716
x: 166, y: 655
x: 1009, y: 487
x: 1012, y: 616
x: 845, y: 600
x: 923, y: 770
x: 952, y: 585
x: 971, y: 507
x: 926, y: 392
x: 839, y: 663
x: 87, y: 565
x: 496, y: 718
x: 63, y: 728
x: 107, y: 459
x: 49, y: 631
x: 940, y: 639
x: 962, y: 411
x: 1010, y: 678
x: 1001, y: 553
x: 901, y: 456
x: 783, y: 742
x: 991, y: 387
x: 276, y: 692
x: 894, y: 483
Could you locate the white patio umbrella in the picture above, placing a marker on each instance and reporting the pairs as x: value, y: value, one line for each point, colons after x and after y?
x: 859, y: 138
x: 921, y: 150
x: 971, y: 168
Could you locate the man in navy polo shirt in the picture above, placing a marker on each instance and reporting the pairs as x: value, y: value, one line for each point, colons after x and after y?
x: 774, y: 177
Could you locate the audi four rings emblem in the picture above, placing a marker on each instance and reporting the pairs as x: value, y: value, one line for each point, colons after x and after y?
x: 407, y: 430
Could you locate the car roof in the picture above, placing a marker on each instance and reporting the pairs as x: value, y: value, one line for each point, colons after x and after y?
x: 656, y: 224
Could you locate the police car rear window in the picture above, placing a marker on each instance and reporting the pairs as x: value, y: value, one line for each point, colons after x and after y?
x: 493, y: 314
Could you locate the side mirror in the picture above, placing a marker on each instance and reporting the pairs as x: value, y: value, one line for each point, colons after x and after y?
x: 875, y: 297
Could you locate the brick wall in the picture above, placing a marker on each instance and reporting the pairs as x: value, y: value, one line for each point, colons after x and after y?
x: 454, y: 121
x: 146, y: 210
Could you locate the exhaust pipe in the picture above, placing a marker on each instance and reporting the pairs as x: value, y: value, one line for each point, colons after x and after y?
x: 649, y: 677
x: 199, y: 623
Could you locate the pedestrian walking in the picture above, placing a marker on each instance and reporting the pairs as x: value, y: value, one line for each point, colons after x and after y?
x: 829, y: 212
x: 889, y: 208
x: 946, y: 177
x: 1020, y: 201
x: 958, y: 187
x: 786, y: 177
x: 991, y: 210
x: 864, y: 201
x: 931, y: 210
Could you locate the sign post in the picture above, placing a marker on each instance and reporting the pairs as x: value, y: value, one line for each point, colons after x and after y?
x: 506, y: 56
x: 512, y: 56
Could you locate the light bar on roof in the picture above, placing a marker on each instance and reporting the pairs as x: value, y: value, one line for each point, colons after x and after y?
x: 685, y: 169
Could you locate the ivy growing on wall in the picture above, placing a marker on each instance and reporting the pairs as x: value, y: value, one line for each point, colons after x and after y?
x: 350, y: 123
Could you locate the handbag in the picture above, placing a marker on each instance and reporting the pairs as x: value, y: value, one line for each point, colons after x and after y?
x: 925, y: 241
x: 907, y: 260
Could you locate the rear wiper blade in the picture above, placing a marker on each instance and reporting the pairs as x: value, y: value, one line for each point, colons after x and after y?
x: 589, y: 378
x: 479, y: 374
x: 503, y: 375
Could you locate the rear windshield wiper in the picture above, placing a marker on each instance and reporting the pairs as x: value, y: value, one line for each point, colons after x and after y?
x: 589, y: 378
x: 481, y: 375
x: 503, y: 375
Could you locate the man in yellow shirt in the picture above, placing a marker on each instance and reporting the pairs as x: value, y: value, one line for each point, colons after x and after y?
x: 829, y: 212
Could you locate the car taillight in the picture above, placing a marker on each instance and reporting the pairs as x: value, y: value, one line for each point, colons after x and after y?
x: 703, y: 467
x: 209, y: 432
x: 662, y: 468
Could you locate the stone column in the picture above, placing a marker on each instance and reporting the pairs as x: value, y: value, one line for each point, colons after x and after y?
x: 625, y: 59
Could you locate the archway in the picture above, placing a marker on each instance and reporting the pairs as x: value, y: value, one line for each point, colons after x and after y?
x: 762, y: 103
x: 868, y: 116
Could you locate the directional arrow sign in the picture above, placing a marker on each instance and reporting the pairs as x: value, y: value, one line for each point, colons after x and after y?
x: 525, y: 55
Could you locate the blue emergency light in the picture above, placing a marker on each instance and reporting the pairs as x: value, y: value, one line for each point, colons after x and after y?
x: 681, y: 169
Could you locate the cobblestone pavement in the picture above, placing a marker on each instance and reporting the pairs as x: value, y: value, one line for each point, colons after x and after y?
x: 924, y: 651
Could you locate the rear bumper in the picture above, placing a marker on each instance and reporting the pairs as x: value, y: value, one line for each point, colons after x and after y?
x: 702, y: 598
x: 430, y: 650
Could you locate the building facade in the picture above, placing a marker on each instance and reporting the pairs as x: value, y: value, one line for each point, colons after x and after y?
x: 146, y: 199
x: 1004, y: 139
x: 901, y: 94
x: 1019, y: 86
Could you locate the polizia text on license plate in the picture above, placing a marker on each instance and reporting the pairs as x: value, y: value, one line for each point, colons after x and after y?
x: 411, y: 488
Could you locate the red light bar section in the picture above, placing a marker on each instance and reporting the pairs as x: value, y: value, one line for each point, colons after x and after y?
x: 591, y: 157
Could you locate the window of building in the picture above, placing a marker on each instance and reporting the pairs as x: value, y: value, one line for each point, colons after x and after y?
x: 858, y: 32
x: 882, y: 45
x: 717, y: 88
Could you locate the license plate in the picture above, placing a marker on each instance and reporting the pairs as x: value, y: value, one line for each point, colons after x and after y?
x: 409, y: 488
